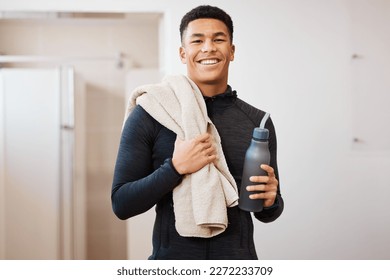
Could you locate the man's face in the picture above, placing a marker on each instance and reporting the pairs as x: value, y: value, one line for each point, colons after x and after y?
x: 207, y: 50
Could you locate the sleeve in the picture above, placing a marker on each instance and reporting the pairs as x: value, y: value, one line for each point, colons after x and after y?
x: 136, y: 186
x: 270, y: 214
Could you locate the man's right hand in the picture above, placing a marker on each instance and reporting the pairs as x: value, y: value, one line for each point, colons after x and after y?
x: 192, y: 155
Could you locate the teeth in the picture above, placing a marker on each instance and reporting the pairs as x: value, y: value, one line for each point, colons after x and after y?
x: 208, y: 61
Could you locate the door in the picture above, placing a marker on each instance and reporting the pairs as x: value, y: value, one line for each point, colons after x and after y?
x: 34, y: 219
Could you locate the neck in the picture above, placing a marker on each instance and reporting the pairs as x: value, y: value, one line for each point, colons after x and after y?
x: 211, y: 90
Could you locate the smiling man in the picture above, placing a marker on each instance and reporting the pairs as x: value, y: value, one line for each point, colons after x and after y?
x: 183, y: 146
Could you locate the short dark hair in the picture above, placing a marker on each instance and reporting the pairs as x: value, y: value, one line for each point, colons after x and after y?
x: 206, y: 11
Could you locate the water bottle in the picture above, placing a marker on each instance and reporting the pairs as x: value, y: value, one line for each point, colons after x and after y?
x: 256, y: 154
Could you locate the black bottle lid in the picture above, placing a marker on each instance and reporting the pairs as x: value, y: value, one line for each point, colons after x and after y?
x: 260, y: 133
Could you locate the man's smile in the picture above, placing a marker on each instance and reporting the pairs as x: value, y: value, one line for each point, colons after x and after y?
x: 208, y: 61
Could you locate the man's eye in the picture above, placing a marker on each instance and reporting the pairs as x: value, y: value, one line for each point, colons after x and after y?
x: 219, y: 40
x: 196, y: 42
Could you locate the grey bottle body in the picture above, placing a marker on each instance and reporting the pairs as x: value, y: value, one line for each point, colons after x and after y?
x: 256, y: 154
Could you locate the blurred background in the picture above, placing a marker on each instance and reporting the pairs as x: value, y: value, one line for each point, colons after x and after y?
x: 321, y: 68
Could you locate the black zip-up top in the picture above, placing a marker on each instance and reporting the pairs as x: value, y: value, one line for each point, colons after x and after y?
x: 145, y: 177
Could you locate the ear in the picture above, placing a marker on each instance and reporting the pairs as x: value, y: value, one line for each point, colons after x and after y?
x: 182, y: 53
x: 233, y: 49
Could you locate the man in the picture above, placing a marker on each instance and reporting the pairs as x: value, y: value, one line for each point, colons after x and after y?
x: 153, y: 161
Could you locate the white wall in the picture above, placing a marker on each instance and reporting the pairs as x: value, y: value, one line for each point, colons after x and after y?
x: 294, y: 60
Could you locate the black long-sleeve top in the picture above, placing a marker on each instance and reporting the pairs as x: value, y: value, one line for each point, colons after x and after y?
x: 144, y: 177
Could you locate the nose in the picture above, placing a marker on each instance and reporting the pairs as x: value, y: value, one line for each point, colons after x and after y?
x: 208, y: 46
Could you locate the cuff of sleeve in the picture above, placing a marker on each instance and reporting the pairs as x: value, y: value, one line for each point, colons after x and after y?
x: 270, y: 214
x: 169, y: 161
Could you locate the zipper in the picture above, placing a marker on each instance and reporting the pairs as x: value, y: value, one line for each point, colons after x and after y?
x: 210, y: 105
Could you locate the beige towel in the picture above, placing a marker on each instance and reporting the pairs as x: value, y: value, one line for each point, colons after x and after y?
x: 201, y: 199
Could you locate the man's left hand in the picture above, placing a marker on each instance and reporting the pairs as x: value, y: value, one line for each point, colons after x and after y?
x: 268, y: 186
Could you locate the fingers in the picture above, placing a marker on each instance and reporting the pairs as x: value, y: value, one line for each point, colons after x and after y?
x: 191, y: 155
x: 268, y: 198
x: 264, y: 179
x: 263, y: 195
x: 260, y: 179
x: 205, y: 145
x: 268, y: 169
x: 266, y: 192
x: 267, y: 186
x: 271, y: 186
x: 204, y: 137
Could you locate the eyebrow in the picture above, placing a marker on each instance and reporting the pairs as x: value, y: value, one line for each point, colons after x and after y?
x: 214, y: 34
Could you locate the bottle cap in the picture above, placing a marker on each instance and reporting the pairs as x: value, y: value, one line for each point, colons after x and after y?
x: 260, y: 133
